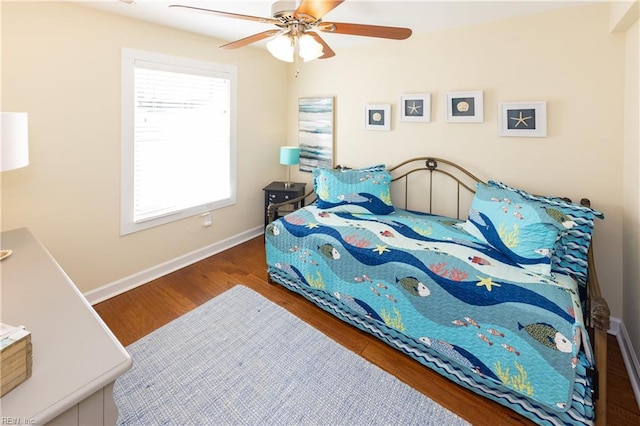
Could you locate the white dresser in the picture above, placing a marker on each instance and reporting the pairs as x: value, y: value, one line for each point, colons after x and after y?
x: 76, y: 358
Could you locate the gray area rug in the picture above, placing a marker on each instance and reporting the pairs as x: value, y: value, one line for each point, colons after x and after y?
x: 240, y: 359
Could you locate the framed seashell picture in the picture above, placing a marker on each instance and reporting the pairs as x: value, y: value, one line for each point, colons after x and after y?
x: 377, y: 117
x: 464, y: 107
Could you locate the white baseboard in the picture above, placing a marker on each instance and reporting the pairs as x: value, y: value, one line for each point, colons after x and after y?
x: 629, y: 356
x: 118, y: 287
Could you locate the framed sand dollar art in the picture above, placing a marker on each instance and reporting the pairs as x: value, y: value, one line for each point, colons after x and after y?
x: 465, y: 107
x: 377, y: 117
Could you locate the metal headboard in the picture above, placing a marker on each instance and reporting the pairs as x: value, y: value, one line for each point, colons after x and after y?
x: 400, y: 173
x: 464, y: 180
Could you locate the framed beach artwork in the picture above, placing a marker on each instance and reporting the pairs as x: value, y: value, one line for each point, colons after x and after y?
x: 528, y: 119
x: 377, y: 117
x: 464, y: 107
x: 415, y: 107
x: 315, y: 132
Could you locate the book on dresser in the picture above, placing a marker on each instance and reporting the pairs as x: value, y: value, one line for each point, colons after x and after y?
x: 16, y: 357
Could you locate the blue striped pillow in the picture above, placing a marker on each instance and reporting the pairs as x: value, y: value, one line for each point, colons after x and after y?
x: 365, y: 190
x: 569, y: 255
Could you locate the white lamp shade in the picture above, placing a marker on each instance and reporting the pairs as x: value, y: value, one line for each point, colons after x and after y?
x: 15, y: 141
x: 281, y: 48
x: 310, y: 49
x: 289, y: 155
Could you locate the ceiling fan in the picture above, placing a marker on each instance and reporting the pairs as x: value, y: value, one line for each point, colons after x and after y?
x: 296, y: 22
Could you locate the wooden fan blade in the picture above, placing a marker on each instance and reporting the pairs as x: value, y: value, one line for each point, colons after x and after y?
x: 316, y: 8
x: 327, y: 52
x: 251, y: 39
x: 229, y: 14
x: 395, y: 33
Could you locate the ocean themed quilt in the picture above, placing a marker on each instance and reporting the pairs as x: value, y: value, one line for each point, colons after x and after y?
x: 455, y: 296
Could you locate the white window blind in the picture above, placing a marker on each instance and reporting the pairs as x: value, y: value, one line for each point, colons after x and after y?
x: 179, y: 140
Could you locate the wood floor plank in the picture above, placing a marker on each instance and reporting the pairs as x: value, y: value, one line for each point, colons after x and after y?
x: 140, y: 311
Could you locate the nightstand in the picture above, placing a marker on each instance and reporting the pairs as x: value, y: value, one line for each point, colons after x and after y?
x: 276, y: 192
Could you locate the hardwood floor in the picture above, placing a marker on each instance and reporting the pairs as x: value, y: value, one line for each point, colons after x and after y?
x: 138, y: 312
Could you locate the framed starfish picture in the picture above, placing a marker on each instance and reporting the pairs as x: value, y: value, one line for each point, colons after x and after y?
x: 415, y: 107
x: 526, y: 119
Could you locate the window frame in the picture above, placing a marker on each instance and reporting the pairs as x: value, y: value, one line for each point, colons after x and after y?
x: 128, y: 65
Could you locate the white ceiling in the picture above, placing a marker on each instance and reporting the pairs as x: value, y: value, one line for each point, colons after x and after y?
x: 419, y: 15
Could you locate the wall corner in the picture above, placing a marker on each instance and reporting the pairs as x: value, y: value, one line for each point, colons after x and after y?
x: 623, y: 14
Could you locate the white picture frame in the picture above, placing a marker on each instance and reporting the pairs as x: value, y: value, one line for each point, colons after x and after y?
x: 465, y: 107
x: 377, y: 117
x: 523, y: 119
x: 415, y: 107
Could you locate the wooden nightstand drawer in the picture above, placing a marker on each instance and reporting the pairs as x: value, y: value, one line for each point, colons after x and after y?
x: 277, y: 192
x: 279, y: 197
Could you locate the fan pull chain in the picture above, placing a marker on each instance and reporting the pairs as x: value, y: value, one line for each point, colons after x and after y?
x: 296, y: 56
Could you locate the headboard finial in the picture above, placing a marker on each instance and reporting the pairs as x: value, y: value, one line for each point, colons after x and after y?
x: 431, y: 164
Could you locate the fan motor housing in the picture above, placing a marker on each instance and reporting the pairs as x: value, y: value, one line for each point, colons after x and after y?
x: 284, y: 10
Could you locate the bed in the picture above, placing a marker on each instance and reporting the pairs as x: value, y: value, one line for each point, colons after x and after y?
x: 491, y: 286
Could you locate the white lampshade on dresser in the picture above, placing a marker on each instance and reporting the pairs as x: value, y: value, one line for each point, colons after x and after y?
x: 14, y: 147
x: 15, y: 141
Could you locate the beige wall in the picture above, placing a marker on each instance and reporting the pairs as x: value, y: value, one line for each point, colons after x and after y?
x: 568, y: 58
x: 61, y: 64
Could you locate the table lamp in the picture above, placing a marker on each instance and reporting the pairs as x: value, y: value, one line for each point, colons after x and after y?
x: 289, y: 156
x: 14, y: 147
x: 15, y: 141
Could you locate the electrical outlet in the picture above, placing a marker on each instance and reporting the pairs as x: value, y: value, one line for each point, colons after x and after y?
x: 206, y: 219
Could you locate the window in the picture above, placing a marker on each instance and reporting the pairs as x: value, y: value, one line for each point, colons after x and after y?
x: 178, y: 138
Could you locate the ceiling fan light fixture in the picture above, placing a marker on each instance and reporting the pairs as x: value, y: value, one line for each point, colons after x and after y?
x: 310, y: 49
x: 281, y: 48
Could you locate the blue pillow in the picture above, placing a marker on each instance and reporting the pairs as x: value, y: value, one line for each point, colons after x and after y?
x: 364, y: 191
x: 523, y: 231
x: 570, y: 251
